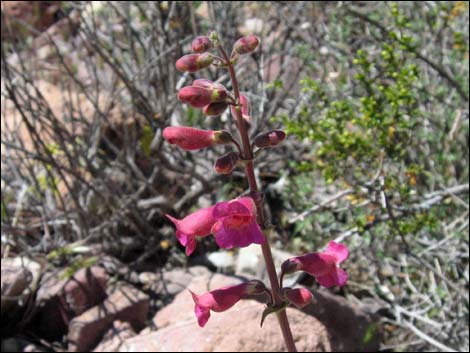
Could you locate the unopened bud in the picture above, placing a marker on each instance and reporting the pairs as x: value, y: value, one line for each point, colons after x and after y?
x: 222, y: 137
x: 245, y: 110
x: 215, y: 109
x: 300, y: 297
x: 270, y: 138
x: 219, y: 92
x: 290, y: 266
x: 201, y: 44
x: 226, y: 163
x: 197, y: 97
x: 194, y: 62
x: 246, y: 44
x: 255, y: 287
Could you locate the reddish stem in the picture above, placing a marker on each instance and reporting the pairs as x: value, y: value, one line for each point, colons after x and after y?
x: 250, y: 174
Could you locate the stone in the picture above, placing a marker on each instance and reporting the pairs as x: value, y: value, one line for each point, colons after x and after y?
x: 19, y: 277
x: 223, y: 260
x: 60, y: 299
x: 330, y: 323
x: 126, y: 304
x: 115, y: 337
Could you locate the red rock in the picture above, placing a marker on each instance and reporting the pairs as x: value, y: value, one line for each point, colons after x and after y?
x: 126, y: 304
x: 60, y: 300
x: 115, y: 336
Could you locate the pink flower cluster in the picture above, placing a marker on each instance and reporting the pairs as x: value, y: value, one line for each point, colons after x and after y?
x: 234, y: 223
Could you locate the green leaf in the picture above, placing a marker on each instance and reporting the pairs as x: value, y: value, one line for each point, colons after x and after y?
x: 273, y: 309
x: 146, y: 140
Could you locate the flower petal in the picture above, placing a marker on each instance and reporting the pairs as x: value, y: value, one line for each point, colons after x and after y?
x: 339, y: 251
x: 337, y: 278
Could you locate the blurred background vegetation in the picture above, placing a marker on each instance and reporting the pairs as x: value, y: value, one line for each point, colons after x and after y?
x: 374, y: 97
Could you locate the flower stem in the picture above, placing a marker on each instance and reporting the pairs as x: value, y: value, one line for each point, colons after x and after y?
x: 250, y: 174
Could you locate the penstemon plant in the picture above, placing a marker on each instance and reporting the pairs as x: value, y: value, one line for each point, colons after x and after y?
x: 236, y: 223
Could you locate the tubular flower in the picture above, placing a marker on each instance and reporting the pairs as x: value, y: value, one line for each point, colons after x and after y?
x: 298, y: 296
x: 198, y: 223
x: 189, y: 138
x: 236, y: 224
x: 321, y: 265
x: 223, y: 299
x: 194, y: 62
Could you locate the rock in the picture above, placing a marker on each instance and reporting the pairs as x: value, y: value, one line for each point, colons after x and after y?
x: 250, y: 262
x: 330, y: 323
x: 114, y: 338
x: 59, y: 300
x: 222, y: 260
x: 126, y: 304
x: 18, y: 279
x: 172, y: 282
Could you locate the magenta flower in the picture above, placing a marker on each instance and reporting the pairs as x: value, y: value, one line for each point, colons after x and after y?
x: 298, y: 296
x: 223, y: 299
x: 321, y: 265
x: 236, y: 224
x: 189, y: 138
x: 198, y: 223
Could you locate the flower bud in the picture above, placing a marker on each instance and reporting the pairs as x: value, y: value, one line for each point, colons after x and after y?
x: 298, y: 296
x: 245, y: 110
x: 290, y: 266
x: 226, y: 163
x: 270, y: 138
x: 215, y: 109
x: 189, y: 138
x: 194, y: 62
x: 219, y: 92
x: 246, y: 44
x: 222, y: 137
x: 201, y: 44
x: 197, y: 97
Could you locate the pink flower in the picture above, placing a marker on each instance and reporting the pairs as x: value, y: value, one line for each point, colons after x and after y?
x: 198, y: 223
x: 189, y: 138
x: 201, y: 44
x: 298, y: 296
x: 223, y: 299
x: 321, y: 265
x: 236, y: 224
x: 194, y: 62
x: 246, y: 44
